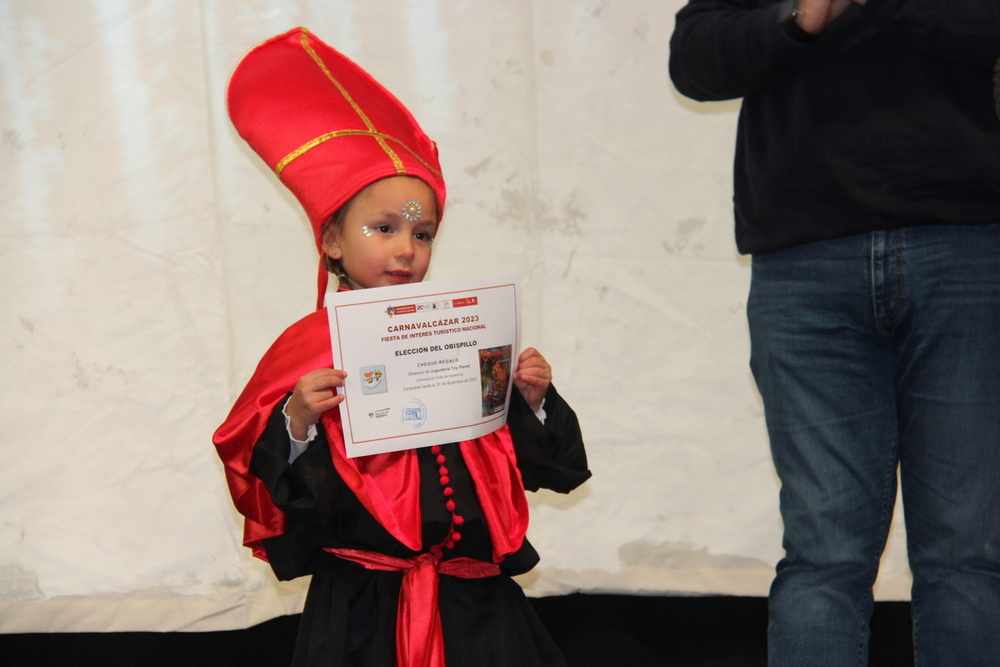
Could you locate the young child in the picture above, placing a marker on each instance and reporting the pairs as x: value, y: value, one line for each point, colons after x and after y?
x: 410, y: 552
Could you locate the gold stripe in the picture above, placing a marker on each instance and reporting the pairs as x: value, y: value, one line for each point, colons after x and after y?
x: 304, y: 40
x: 309, y: 145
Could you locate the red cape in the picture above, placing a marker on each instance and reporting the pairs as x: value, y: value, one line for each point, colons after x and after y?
x: 388, y: 485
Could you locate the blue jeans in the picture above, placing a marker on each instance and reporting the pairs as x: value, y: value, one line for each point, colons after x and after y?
x: 874, y: 352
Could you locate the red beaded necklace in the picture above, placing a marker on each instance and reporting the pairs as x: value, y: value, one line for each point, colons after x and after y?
x: 456, y: 520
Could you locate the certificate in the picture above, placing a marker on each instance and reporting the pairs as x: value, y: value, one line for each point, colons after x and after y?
x: 427, y: 363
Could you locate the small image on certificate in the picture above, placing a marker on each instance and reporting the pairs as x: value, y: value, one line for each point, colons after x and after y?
x: 373, y: 380
x: 494, y: 374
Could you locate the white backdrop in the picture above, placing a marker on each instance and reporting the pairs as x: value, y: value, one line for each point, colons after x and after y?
x: 147, y: 260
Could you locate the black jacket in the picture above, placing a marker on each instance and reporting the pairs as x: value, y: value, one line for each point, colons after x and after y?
x: 886, y: 121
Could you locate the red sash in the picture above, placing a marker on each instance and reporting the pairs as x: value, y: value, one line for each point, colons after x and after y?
x: 419, y: 640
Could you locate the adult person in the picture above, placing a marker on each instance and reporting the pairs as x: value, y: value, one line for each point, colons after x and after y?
x: 867, y: 189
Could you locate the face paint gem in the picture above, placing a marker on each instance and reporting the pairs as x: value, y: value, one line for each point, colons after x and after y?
x: 412, y: 210
x: 366, y: 230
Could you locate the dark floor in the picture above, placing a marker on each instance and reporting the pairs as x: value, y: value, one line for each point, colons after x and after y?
x: 593, y: 630
x: 637, y: 631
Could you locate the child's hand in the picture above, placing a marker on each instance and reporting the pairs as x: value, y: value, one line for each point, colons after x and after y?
x: 532, y: 377
x: 314, y: 394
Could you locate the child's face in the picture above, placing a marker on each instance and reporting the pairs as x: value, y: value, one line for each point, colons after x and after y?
x: 383, y: 238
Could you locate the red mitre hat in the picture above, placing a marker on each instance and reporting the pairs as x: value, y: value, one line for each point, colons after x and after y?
x: 325, y: 126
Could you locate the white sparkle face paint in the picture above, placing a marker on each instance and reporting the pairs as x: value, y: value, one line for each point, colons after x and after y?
x: 412, y: 210
x: 366, y: 230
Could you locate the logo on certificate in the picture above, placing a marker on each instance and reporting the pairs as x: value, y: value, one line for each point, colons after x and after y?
x: 414, y: 414
x: 373, y: 380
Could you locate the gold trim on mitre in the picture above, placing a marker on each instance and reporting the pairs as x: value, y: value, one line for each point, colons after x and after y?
x: 378, y: 136
x: 304, y: 41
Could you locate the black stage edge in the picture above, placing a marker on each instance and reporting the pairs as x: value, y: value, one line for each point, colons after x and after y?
x: 592, y: 630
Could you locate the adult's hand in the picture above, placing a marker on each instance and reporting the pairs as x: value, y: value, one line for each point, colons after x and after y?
x: 815, y: 15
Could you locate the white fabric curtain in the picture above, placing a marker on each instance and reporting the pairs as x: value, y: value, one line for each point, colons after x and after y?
x: 148, y: 259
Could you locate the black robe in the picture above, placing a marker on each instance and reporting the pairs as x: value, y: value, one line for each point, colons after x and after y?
x: 350, y: 612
